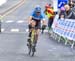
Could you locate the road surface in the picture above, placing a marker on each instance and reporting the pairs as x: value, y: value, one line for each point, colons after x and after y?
x: 14, y: 34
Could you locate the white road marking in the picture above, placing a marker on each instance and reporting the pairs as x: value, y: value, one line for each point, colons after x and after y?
x: 20, y: 21
x: 44, y: 30
x: 9, y: 21
x: 2, y: 30
x: 14, y: 30
x: 18, y: 30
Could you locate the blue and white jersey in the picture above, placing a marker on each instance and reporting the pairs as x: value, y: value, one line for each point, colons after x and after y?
x: 40, y: 17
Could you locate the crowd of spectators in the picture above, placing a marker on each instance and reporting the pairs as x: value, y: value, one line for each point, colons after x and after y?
x: 67, y: 11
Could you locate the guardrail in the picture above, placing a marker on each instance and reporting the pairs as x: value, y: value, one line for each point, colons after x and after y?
x: 64, y: 30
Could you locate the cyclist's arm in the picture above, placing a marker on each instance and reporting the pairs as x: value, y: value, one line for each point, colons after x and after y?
x: 30, y: 20
x: 30, y: 17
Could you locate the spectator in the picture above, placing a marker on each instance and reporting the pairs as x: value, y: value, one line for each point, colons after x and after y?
x: 69, y: 14
x: 50, y: 14
x: 71, y: 4
x: 73, y: 9
x: 61, y: 14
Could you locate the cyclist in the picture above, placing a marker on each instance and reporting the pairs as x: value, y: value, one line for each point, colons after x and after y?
x: 35, y: 21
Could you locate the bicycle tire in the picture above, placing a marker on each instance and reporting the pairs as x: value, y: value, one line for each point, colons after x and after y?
x: 29, y: 50
x: 32, y: 47
x: 33, y: 54
x: 33, y: 50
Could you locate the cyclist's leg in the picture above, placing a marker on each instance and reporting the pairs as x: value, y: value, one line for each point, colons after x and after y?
x: 30, y: 31
x: 38, y: 27
x: 37, y: 33
x: 29, y: 36
x: 31, y: 26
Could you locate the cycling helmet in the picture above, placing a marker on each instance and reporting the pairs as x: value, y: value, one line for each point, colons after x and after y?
x: 37, y: 8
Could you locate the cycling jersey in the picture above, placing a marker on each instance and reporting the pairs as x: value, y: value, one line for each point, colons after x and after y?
x: 40, y: 17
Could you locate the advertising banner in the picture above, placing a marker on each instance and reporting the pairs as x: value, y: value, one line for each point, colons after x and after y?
x: 65, y: 28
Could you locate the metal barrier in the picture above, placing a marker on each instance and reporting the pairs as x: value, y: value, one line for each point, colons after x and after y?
x: 0, y: 25
x: 0, y: 22
x: 64, y: 30
x: 61, y: 38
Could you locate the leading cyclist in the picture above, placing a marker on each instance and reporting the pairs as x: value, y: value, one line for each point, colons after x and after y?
x: 35, y: 20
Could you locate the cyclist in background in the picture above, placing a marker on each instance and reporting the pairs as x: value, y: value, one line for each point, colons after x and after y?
x: 35, y: 20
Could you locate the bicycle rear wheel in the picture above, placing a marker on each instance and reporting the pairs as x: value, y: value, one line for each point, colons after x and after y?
x: 29, y: 47
x: 29, y: 50
x: 32, y: 53
x: 34, y: 46
x: 33, y: 50
x: 33, y: 42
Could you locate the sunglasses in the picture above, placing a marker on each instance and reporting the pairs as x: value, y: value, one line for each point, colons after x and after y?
x: 37, y: 12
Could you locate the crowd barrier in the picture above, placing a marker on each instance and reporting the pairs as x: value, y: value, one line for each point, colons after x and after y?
x: 64, y: 29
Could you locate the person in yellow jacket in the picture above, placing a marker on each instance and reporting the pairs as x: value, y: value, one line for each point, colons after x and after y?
x: 50, y: 14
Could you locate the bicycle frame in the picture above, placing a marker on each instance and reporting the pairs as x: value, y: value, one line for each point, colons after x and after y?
x: 32, y: 44
x: 32, y: 35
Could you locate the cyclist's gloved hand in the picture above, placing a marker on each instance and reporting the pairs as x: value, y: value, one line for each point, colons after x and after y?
x: 29, y: 26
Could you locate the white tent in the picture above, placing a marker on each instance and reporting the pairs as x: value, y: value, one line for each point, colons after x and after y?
x: 2, y: 2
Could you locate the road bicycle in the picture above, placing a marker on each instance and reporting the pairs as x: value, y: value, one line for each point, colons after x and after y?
x: 32, y: 42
